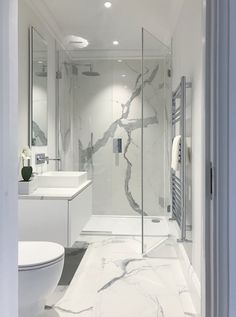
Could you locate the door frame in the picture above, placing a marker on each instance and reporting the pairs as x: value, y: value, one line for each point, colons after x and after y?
x: 219, y: 289
x: 8, y: 157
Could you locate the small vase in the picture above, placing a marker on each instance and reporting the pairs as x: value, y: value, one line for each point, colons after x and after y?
x: 26, y: 173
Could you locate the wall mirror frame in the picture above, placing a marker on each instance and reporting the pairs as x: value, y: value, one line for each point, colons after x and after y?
x: 38, y: 89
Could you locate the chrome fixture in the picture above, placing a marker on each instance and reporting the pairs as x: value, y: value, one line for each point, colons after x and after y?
x: 178, y: 182
x: 90, y: 72
x: 47, y: 159
x: 40, y: 158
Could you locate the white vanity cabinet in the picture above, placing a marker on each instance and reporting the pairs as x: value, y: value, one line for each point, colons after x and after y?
x: 58, y: 215
x: 79, y: 212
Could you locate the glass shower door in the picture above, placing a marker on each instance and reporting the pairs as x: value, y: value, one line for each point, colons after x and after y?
x: 99, y: 132
x: 156, y: 96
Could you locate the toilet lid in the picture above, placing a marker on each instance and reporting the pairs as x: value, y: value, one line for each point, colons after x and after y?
x: 37, y: 253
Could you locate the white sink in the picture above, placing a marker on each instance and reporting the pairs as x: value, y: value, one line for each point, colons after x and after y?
x: 61, y: 179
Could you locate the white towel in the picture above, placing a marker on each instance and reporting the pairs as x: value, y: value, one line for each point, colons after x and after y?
x: 176, y: 148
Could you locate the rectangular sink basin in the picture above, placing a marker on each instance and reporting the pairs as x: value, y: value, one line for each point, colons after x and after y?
x: 61, y: 179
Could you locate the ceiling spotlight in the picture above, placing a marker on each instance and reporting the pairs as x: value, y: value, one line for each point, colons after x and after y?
x: 119, y: 61
x: 107, y: 4
x: 115, y: 43
x: 40, y: 62
x: 123, y: 75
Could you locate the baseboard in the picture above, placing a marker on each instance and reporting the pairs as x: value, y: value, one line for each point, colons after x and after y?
x: 191, y: 277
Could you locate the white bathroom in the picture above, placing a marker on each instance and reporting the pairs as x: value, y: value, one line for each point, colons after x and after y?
x: 110, y: 144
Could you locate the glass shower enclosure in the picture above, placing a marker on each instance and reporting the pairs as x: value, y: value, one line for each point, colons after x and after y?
x: 113, y: 122
x: 156, y: 140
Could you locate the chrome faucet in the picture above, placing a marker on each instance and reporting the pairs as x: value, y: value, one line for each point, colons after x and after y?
x: 47, y: 159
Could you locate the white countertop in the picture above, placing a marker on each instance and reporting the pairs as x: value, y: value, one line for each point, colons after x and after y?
x: 68, y: 193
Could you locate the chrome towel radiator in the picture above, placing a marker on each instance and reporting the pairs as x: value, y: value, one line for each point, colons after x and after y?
x: 178, y: 179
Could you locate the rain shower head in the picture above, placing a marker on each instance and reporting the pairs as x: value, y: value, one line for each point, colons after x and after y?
x: 90, y: 72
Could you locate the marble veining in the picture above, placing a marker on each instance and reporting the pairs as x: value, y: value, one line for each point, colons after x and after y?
x: 123, y: 266
x: 93, y: 111
x: 86, y: 155
x: 115, y: 280
x: 39, y: 136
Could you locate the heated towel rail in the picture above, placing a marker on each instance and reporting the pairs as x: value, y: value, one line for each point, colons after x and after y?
x: 178, y: 179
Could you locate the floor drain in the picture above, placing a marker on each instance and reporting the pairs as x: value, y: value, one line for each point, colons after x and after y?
x: 156, y: 220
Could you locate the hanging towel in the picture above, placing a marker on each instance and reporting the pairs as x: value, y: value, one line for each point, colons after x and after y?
x: 176, y: 150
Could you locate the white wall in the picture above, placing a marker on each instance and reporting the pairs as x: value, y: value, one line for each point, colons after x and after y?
x: 27, y: 18
x: 187, y: 60
x: 8, y: 158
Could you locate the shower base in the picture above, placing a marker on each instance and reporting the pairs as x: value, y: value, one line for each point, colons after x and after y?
x: 130, y: 225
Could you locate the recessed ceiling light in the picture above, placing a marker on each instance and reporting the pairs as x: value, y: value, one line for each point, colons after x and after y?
x: 115, y: 42
x: 123, y: 75
x: 107, y: 4
x: 119, y: 61
x: 40, y: 62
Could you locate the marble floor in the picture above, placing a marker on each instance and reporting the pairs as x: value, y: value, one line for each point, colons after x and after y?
x: 114, y: 279
x: 120, y: 225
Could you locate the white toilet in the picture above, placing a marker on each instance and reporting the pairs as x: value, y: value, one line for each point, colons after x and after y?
x: 40, y: 265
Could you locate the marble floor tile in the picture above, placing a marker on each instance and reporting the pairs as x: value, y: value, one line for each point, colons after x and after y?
x: 115, y: 280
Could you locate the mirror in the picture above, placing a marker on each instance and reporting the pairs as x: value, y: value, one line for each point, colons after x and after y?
x: 38, y: 108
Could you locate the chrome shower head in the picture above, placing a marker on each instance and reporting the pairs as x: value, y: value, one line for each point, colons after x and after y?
x: 90, y: 72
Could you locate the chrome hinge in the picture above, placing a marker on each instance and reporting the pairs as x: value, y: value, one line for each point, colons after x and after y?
x: 58, y: 75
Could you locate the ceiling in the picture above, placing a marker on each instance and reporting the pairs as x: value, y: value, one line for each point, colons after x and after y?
x: 123, y: 21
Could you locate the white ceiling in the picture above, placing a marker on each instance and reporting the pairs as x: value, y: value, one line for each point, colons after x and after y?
x: 122, y: 22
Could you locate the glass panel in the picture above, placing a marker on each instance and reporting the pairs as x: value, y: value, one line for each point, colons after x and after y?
x: 100, y: 132
x: 155, y: 139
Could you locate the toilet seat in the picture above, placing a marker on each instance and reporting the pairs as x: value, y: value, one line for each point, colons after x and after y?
x: 34, y: 255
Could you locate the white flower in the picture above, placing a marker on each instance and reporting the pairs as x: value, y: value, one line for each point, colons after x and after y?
x: 26, y: 153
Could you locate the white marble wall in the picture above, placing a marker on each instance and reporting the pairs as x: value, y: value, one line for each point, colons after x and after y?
x: 68, y: 105
x: 94, y: 111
